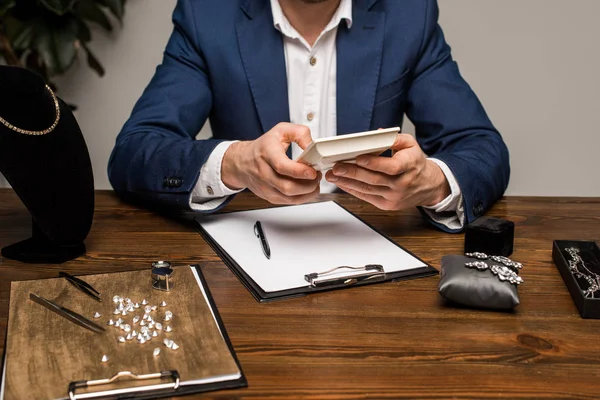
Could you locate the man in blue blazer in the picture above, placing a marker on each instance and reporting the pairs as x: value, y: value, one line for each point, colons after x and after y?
x: 270, y: 75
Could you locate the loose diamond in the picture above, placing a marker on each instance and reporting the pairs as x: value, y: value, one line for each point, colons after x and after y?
x: 156, y: 352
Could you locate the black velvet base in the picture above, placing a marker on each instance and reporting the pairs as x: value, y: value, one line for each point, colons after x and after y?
x: 39, y: 250
x: 490, y: 236
x: 51, y: 173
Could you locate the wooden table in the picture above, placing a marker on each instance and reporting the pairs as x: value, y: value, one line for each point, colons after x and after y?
x: 391, y: 340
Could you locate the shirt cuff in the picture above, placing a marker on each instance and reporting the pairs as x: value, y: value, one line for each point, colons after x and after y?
x: 210, y: 191
x: 450, y: 211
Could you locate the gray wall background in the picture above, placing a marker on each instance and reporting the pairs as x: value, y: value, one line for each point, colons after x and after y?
x: 533, y: 63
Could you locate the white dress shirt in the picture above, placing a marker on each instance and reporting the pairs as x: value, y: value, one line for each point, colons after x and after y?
x: 311, y: 76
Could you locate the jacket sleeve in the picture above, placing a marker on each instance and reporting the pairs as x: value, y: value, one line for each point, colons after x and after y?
x: 452, y: 126
x: 156, y: 158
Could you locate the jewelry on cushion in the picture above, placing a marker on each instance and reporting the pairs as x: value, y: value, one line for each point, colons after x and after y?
x: 503, y: 272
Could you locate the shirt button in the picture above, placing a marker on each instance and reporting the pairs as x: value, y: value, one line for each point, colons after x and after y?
x: 313, y: 61
x: 310, y: 116
x: 210, y: 190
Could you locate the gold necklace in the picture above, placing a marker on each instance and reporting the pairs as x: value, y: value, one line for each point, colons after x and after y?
x: 36, y: 133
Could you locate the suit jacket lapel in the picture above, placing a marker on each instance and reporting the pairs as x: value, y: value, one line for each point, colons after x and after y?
x: 359, y: 51
x: 261, y: 50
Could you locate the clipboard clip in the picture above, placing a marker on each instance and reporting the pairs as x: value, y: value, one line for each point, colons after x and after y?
x: 73, y: 386
x: 365, y: 273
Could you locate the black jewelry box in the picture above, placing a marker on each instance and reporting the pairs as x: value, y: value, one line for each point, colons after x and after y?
x: 491, y: 236
x: 588, y: 306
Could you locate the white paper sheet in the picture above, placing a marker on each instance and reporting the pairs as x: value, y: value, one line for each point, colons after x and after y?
x: 303, y: 239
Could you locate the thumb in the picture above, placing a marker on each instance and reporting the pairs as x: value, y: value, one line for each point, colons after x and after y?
x: 403, y: 141
x: 299, y: 134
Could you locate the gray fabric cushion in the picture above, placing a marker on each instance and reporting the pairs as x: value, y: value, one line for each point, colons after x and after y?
x: 474, y: 288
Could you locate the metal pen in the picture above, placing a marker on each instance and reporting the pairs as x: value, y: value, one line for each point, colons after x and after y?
x: 260, y: 234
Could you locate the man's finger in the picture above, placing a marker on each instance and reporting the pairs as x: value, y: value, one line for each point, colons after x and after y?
x: 294, y: 133
x: 371, y: 177
x: 392, y: 166
x: 403, y: 141
x: 282, y: 165
x: 348, y: 183
x: 376, y: 200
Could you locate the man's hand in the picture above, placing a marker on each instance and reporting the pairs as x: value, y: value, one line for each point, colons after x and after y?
x: 262, y: 166
x: 406, y: 179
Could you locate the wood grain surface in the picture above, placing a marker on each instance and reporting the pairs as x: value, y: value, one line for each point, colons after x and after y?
x: 391, y: 340
x: 46, y: 352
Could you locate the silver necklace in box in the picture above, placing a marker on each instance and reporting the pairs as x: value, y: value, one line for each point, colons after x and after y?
x: 585, y: 273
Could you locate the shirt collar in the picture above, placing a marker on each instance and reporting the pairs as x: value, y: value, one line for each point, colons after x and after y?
x: 281, y: 23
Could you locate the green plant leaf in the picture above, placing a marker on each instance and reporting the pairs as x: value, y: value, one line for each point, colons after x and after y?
x: 19, y: 33
x: 93, y: 61
x: 59, y: 7
x: 57, y: 45
x: 84, y: 34
x: 115, y: 7
x: 6, y: 5
x: 90, y: 11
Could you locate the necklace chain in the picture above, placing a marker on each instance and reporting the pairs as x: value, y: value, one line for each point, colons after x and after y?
x: 590, y: 277
x: 36, y: 133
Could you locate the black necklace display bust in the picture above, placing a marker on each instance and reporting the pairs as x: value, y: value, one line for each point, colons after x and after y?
x: 44, y: 157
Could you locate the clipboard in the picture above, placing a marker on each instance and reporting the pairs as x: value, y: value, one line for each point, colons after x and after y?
x: 313, y: 279
x: 95, y: 380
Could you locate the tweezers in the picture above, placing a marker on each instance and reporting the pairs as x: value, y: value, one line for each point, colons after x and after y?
x: 68, y: 314
x: 81, y: 285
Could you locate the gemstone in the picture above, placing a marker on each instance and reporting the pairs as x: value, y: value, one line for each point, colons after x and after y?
x: 156, y: 352
x: 121, y: 339
x: 168, y: 329
x: 163, y: 304
x: 97, y: 315
x: 104, y: 358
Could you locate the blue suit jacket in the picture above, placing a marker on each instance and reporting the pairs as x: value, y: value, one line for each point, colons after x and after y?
x: 225, y: 61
